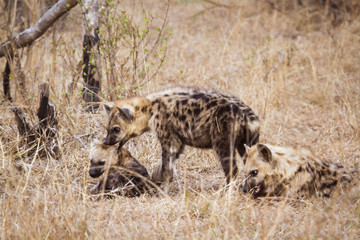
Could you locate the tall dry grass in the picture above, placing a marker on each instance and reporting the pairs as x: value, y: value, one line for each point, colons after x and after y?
x: 297, y: 69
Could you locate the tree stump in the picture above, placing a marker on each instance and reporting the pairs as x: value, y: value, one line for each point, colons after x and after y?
x: 6, y: 81
x: 41, y: 138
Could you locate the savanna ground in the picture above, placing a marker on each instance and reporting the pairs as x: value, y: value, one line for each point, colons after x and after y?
x: 297, y: 66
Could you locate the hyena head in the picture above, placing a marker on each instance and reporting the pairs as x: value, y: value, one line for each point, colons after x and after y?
x: 104, y: 157
x: 128, y: 118
x: 259, y: 169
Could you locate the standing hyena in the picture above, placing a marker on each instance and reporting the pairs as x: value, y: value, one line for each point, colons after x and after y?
x: 179, y: 117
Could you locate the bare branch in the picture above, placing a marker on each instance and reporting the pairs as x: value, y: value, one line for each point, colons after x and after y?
x: 29, y: 35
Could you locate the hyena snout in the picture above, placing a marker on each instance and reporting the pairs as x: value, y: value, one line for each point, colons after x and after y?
x: 249, y: 185
x: 96, y: 171
x: 110, y: 139
x: 246, y: 187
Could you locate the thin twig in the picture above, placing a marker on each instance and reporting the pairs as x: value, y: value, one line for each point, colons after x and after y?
x: 281, y: 59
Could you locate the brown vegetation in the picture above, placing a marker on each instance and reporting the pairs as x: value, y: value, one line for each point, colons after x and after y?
x: 297, y: 66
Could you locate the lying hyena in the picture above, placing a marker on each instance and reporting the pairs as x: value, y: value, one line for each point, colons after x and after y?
x: 186, y: 116
x: 123, y: 173
x: 279, y: 171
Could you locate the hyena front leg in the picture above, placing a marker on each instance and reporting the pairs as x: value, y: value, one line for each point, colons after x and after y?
x: 171, y: 149
x: 226, y: 153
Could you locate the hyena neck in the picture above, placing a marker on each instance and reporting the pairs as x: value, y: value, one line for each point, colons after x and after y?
x: 142, y: 116
x: 277, y: 185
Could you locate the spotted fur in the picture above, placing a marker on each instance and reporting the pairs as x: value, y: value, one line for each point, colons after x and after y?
x: 122, y: 173
x: 279, y: 171
x: 186, y: 116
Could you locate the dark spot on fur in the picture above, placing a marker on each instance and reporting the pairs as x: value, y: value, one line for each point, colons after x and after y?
x: 157, y: 117
x: 155, y: 102
x: 252, y: 117
x: 195, y: 105
x: 137, y: 108
x: 329, y: 185
x: 325, y: 172
x: 186, y: 126
x: 175, y: 114
x: 197, y: 112
x: 166, y: 95
x: 211, y: 104
x: 182, y: 118
x: 183, y: 93
x: 197, y: 96
x: 224, y: 109
x: 189, y: 111
x: 177, y: 104
x: 167, y: 115
x: 184, y: 102
x: 206, y: 99
x: 223, y: 101
x: 236, y: 110
x: 169, y: 100
x: 334, y: 173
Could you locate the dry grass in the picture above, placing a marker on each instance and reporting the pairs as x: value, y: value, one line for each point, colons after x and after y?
x: 293, y: 67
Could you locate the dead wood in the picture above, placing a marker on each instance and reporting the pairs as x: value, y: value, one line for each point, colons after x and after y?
x: 45, y: 131
x: 6, y: 81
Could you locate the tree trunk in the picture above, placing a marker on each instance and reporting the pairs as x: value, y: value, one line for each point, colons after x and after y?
x: 91, y: 56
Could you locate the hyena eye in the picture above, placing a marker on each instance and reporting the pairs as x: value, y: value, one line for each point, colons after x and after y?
x: 253, y: 173
x: 101, y: 163
x: 116, y: 129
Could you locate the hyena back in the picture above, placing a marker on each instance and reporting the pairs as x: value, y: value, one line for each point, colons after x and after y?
x: 279, y: 171
x: 179, y: 117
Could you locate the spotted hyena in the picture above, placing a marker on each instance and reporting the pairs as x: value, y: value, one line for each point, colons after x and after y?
x: 123, y: 173
x: 279, y: 171
x: 186, y: 116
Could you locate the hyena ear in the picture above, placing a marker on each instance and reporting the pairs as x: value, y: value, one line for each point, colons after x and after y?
x: 108, y: 107
x: 264, y: 152
x: 125, y: 114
